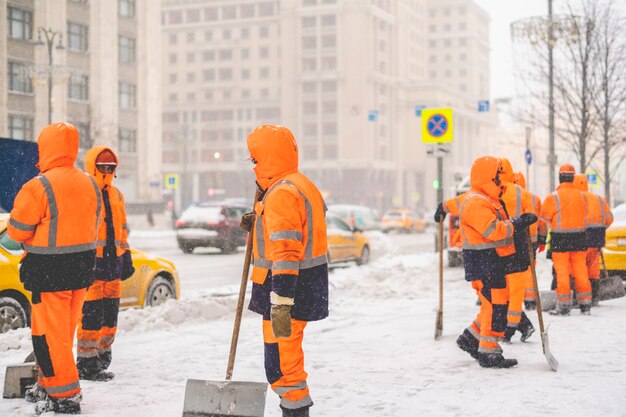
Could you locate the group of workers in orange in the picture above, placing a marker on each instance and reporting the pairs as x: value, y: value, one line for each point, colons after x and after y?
x: 72, y: 225
x: 496, y: 216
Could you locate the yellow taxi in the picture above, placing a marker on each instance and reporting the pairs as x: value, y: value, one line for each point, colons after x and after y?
x: 155, y: 280
x: 615, y: 248
x: 346, y: 243
x: 403, y: 220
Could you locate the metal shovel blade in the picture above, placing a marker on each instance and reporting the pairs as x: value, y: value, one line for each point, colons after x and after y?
x: 17, y: 378
x: 611, y: 287
x: 552, y: 362
x: 224, y: 398
x: 439, y: 325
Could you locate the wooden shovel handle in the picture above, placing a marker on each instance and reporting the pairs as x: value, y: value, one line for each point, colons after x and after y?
x: 241, y: 300
x: 531, y: 255
x: 441, y: 265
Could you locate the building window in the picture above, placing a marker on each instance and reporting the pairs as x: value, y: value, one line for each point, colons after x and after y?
x: 245, y: 53
x: 128, y: 140
x: 226, y: 34
x: 20, y: 23
x: 309, y: 108
x: 208, y: 56
x: 226, y: 74
x: 308, y: 22
x: 245, y: 93
x: 173, y: 97
x: 21, y: 128
x: 247, y: 11
x: 191, y: 37
x: 173, y: 39
x: 329, y: 41
x: 18, y: 78
x: 193, y: 15
x: 309, y: 87
x: 126, y: 8
x: 266, y: 9
x: 264, y: 32
x: 462, y: 26
x: 127, y: 49
x: 309, y: 64
x: 245, y: 74
x: 264, y: 93
x: 310, y: 129
x: 264, y: 52
x: 226, y: 55
x: 329, y: 107
x: 309, y: 42
x: 176, y: 17
x: 245, y: 33
x: 191, y: 77
x: 264, y: 73
x: 330, y: 63
x: 78, y: 87
x: 191, y: 57
x: 77, y: 37
x: 329, y: 20
x: 173, y: 78
x: 128, y: 96
x: 330, y: 86
x: 83, y: 135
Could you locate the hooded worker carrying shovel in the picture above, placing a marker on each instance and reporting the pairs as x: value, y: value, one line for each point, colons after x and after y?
x: 290, y: 273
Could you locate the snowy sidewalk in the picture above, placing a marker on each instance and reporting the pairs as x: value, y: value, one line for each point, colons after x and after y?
x: 373, y: 357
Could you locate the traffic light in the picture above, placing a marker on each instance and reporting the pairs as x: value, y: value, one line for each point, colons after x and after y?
x: 436, y: 184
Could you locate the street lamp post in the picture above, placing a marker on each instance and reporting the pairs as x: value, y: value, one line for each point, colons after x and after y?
x: 50, y: 35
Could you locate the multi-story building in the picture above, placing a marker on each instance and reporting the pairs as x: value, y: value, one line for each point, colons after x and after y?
x: 345, y: 76
x: 92, y: 63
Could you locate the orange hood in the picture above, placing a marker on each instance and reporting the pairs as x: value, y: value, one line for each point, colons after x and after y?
x: 275, y: 151
x: 519, y: 179
x: 484, y: 171
x: 580, y: 182
x: 58, y: 146
x: 90, y: 165
x: 506, y: 175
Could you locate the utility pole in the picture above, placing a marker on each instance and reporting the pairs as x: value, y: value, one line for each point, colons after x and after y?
x: 528, y: 160
x: 49, y: 34
x: 551, y: 42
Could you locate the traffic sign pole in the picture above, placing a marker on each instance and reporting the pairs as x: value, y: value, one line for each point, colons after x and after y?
x: 440, y: 178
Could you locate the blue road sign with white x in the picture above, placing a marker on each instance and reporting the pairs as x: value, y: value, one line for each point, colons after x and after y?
x: 437, y: 125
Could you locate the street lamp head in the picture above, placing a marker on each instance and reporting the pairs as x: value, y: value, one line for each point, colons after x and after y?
x: 39, y: 42
x: 60, y: 44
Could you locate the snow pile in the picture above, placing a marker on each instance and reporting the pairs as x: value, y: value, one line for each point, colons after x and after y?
x: 176, y: 312
x: 15, y: 339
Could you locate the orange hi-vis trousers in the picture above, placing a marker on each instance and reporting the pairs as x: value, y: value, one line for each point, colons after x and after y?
x: 284, y: 365
x: 529, y: 291
x: 567, y: 264
x: 55, y: 316
x: 593, y: 263
x: 490, y: 323
x: 517, y: 289
x: 98, y: 326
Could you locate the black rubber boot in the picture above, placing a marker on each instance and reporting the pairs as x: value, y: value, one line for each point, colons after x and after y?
x: 87, y: 367
x: 35, y: 393
x: 70, y: 405
x: 530, y: 305
x: 102, y: 376
x: 467, y: 342
x: 595, y: 291
x: 585, y: 309
x: 104, y: 360
x: 526, y: 328
x: 508, y: 334
x: 298, y: 412
x: 561, y: 311
x: 495, y: 360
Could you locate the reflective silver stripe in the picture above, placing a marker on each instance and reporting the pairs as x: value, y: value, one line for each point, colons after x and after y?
x: 281, y: 265
x: 99, y: 199
x: 490, y: 338
x: 512, y: 324
x: 490, y: 229
x: 292, y: 405
x: 601, y: 209
x: 92, y: 353
x: 583, y: 294
x: 595, y: 226
x: 262, y: 263
x: 317, y: 261
x: 125, y: 226
x: 545, y: 219
x: 119, y: 194
x: 54, y: 211
x: 514, y: 313
x: 564, y: 297
x: 124, y: 246
x: 286, y: 235
x: 22, y: 226
x: 87, y: 344
x: 488, y: 245
x: 474, y: 332
x: 558, y: 209
x: 510, y: 230
x: 579, y: 230
x: 63, y: 388
x: 483, y: 349
x: 518, y: 202
x: 101, y: 242
x: 260, y: 237
x: 44, y: 250
x: 477, y: 323
x: 534, y: 239
x: 297, y: 387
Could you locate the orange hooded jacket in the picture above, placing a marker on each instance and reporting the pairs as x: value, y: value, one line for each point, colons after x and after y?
x: 57, y: 213
x: 599, y: 215
x: 520, y: 180
x: 516, y: 199
x: 290, y: 246
x: 116, y: 201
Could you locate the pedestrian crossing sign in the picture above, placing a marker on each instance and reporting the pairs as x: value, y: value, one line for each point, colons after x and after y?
x: 437, y: 125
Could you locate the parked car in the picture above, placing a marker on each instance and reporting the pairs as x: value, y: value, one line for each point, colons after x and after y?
x: 403, y: 220
x: 155, y: 281
x: 361, y: 217
x: 346, y: 243
x: 213, y: 224
x: 615, y: 248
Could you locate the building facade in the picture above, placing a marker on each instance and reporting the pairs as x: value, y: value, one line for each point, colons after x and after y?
x: 94, y: 64
x: 346, y: 76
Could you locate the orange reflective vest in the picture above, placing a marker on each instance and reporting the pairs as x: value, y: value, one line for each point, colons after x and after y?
x: 565, y: 212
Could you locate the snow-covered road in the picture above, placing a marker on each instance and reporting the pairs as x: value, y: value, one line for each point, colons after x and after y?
x: 373, y: 357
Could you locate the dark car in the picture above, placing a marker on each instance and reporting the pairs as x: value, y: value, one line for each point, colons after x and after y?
x: 211, y: 224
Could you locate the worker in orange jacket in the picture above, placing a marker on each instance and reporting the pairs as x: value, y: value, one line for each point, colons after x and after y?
x: 516, y: 202
x: 599, y: 218
x: 56, y: 217
x: 98, y: 326
x: 290, y: 272
x: 530, y: 296
x: 564, y: 211
x: 488, y: 239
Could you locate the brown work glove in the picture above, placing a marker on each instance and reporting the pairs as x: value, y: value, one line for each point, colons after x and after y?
x: 281, y: 315
x: 247, y: 221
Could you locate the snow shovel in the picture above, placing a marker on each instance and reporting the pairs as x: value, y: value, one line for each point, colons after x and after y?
x: 552, y: 362
x: 228, y: 398
x: 610, y: 287
x: 439, y: 321
x: 19, y: 377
